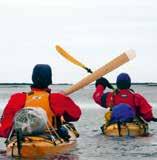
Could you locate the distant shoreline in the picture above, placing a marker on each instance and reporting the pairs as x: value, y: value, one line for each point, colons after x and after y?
x: 18, y: 84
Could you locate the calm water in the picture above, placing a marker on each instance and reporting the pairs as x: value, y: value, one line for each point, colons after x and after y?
x: 92, y: 145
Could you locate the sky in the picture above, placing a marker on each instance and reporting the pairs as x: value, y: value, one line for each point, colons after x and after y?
x: 92, y: 31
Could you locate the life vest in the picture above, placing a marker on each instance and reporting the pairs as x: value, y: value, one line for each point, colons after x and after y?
x: 123, y: 96
x: 40, y: 99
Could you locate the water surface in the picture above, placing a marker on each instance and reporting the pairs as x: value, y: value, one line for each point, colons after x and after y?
x: 92, y: 145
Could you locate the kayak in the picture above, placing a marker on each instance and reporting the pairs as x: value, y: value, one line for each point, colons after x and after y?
x: 41, y: 145
x: 125, y: 129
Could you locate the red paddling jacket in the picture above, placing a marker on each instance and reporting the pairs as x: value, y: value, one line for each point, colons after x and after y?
x: 135, y: 100
x: 59, y: 104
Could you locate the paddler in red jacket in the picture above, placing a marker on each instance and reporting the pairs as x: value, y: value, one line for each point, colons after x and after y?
x: 54, y: 104
x: 122, y: 95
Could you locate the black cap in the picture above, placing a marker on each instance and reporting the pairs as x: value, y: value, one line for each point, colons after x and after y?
x: 42, y: 76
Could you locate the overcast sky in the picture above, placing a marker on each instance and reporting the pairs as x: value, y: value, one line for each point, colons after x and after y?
x: 93, y: 31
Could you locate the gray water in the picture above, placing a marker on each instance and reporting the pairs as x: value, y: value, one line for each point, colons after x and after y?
x: 91, y: 144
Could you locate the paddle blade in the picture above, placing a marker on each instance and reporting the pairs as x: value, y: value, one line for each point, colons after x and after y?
x: 62, y: 52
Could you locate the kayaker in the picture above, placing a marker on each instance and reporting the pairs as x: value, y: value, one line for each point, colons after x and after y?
x: 122, y: 97
x: 55, y: 104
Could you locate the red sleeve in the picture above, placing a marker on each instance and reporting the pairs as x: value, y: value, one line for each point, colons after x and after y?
x: 98, y: 94
x: 16, y: 102
x: 101, y: 98
x: 63, y: 105
x: 145, y: 109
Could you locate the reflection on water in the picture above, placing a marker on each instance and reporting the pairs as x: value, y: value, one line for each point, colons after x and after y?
x: 91, y: 144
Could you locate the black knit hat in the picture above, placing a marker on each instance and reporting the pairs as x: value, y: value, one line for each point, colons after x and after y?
x: 42, y: 76
x: 123, y: 81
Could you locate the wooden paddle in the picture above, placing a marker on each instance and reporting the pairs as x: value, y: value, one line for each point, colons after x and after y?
x: 110, y: 66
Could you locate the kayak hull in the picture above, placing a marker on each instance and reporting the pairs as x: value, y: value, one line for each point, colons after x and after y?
x: 38, y: 146
x: 127, y: 129
x: 41, y: 146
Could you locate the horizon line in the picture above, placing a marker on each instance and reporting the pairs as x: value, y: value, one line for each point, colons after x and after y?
x: 133, y: 83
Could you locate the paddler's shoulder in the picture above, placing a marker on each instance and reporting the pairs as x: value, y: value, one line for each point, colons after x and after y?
x: 57, y: 95
x: 18, y: 95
